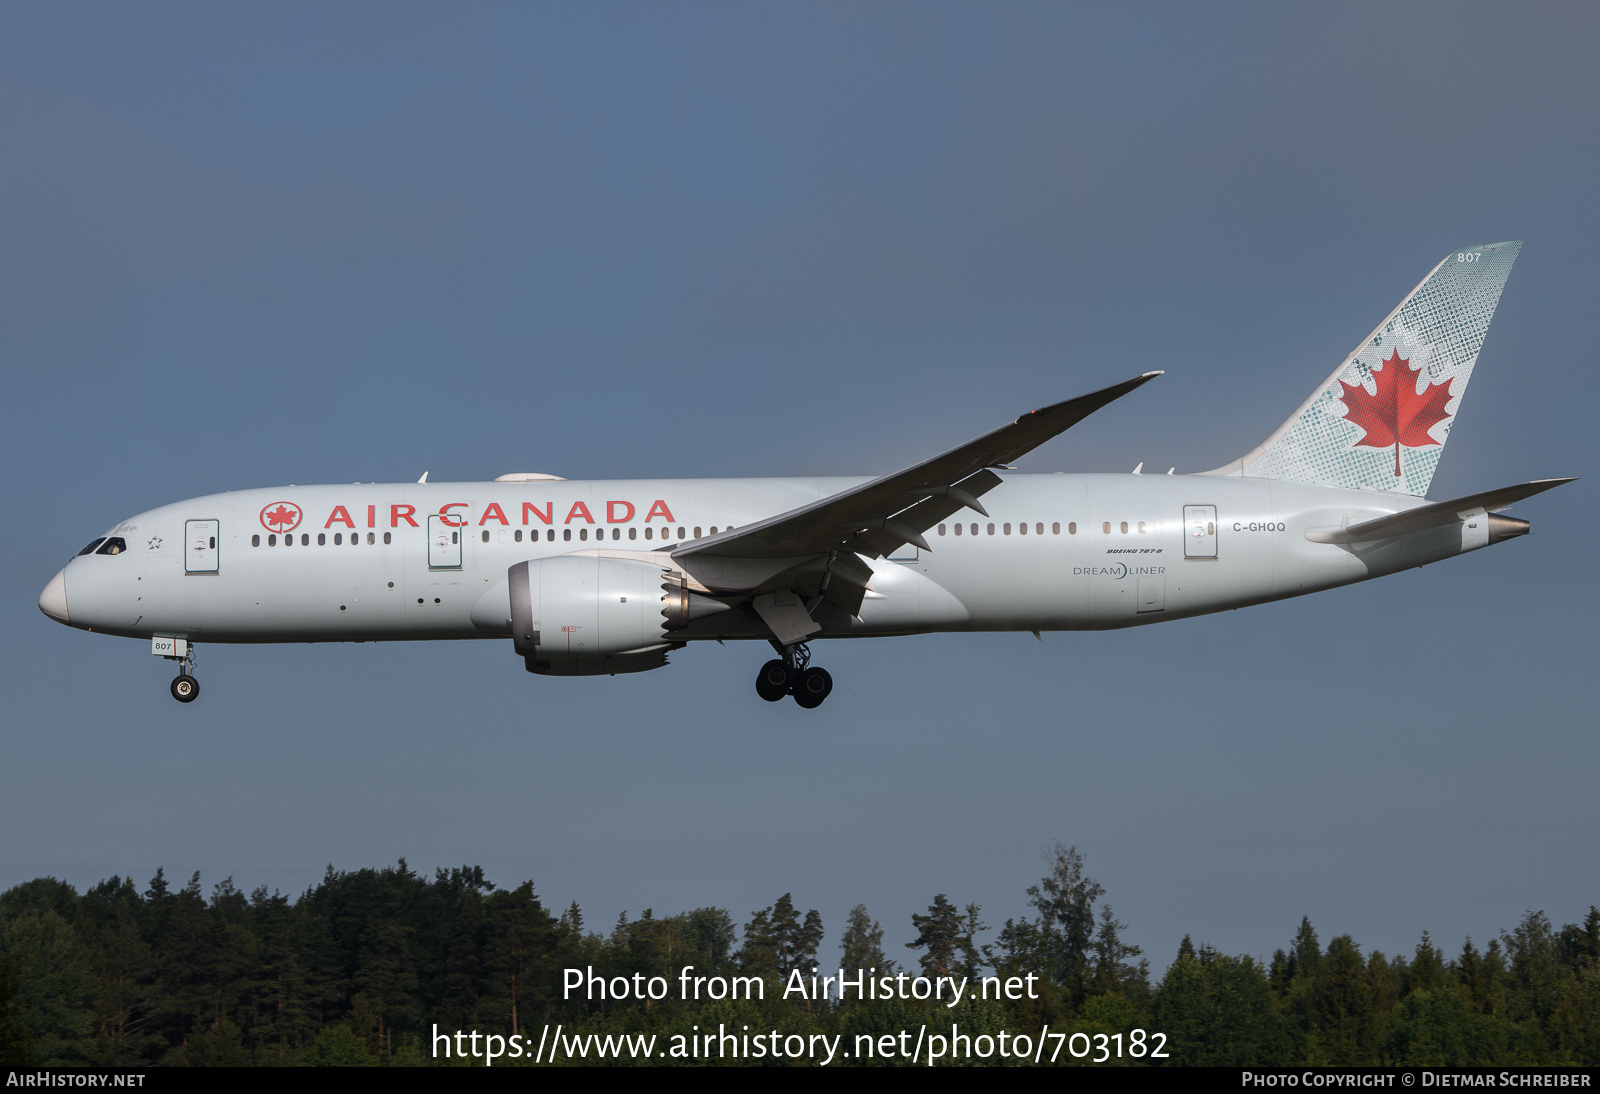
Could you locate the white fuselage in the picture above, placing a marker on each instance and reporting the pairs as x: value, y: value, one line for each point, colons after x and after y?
x: 1057, y: 552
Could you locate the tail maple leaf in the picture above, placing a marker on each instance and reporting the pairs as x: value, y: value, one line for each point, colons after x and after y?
x: 1395, y: 414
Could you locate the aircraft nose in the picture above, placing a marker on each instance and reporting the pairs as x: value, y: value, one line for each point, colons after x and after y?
x: 53, y: 601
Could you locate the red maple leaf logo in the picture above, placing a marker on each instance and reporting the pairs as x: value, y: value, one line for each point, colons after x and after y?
x: 1395, y: 414
x: 286, y: 517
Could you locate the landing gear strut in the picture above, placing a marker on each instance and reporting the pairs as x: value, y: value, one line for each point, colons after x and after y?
x: 793, y: 675
x: 185, y: 688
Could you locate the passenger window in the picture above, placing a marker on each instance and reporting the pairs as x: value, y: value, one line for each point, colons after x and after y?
x: 288, y: 539
x: 633, y: 533
x: 941, y: 529
x: 486, y: 535
x: 338, y: 539
x: 1124, y: 527
x: 1022, y: 529
x: 1038, y: 529
x: 272, y: 541
x: 1105, y: 527
x: 713, y: 529
x: 1006, y: 528
x: 583, y: 534
x: 322, y: 539
x: 386, y: 537
x: 89, y: 550
x: 255, y: 541
x: 305, y: 539
x: 517, y: 535
x: 974, y: 529
x: 683, y: 533
x: 1141, y: 527
x: 991, y: 529
x: 647, y: 532
x: 1072, y: 528
x: 616, y: 533
x: 697, y: 533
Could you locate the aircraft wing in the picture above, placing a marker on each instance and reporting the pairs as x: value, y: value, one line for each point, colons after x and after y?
x: 878, y: 517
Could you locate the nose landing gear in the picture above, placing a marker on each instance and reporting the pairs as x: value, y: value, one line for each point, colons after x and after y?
x: 793, y: 675
x: 185, y: 688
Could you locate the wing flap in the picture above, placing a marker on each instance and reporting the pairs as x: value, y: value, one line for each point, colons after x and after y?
x: 785, y: 616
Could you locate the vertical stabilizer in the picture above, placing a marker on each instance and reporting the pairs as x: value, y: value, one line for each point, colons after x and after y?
x: 1381, y: 420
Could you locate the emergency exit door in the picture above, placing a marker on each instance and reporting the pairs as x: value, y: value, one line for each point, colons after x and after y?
x: 1199, y: 531
x: 444, y: 543
x: 200, y: 555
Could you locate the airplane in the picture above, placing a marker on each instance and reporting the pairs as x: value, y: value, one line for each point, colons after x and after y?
x: 590, y: 578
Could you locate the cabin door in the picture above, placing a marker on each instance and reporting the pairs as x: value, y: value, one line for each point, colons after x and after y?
x: 444, y: 543
x: 1199, y: 531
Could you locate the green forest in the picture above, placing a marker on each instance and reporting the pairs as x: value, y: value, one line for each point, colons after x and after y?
x: 361, y: 968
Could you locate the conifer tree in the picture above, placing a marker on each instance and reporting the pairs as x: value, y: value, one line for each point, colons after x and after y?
x: 1307, y: 952
x: 863, y: 944
x: 1537, y: 976
x: 1427, y: 969
x: 1112, y: 967
x: 777, y: 940
x: 1341, y: 1006
x: 939, y: 934
x: 518, y: 937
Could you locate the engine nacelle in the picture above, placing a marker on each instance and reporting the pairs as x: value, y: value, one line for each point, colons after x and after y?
x: 576, y: 607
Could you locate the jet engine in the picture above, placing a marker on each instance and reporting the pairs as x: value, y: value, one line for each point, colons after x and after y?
x: 581, y: 615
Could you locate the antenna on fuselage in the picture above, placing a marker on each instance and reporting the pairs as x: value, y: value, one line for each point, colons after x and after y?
x: 423, y: 481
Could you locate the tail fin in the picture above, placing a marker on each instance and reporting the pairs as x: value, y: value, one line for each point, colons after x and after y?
x: 1381, y: 420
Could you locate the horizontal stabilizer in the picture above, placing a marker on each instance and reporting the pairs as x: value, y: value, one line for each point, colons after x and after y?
x: 1435, y: 515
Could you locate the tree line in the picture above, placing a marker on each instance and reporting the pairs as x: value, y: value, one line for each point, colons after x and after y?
x: 360, y: 968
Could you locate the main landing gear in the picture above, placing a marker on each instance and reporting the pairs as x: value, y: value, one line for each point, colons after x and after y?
x: 793, y: 675
x: 185, y: 688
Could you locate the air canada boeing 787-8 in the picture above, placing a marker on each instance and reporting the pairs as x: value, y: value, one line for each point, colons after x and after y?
x: 590, y: 578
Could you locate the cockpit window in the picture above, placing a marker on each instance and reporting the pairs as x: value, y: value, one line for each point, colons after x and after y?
x: 113, y: 546
x: 89, y: 550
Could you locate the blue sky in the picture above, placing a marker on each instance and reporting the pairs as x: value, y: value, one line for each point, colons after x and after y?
x: 244, y: 246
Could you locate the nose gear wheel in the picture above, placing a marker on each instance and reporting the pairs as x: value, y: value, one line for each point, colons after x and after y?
x: 185, y: 688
